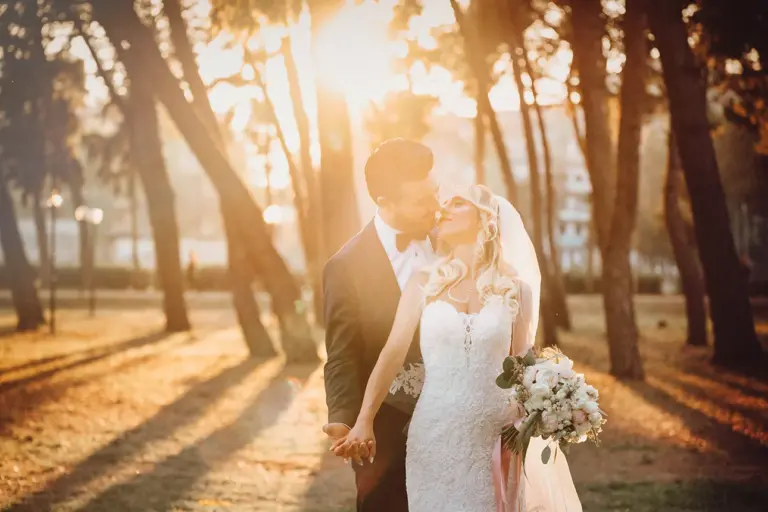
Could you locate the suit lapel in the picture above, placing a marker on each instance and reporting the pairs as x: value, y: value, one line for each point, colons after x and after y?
x: 381, y: 289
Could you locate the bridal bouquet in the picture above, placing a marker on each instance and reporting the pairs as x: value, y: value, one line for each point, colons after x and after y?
x: 559, y: 405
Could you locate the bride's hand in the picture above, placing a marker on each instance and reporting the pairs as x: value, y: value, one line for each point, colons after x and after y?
x: 359, y: 444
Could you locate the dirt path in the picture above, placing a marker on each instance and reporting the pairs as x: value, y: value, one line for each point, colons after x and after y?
x: 114, y: 416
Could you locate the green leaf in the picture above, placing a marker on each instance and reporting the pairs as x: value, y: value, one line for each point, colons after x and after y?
x: 546, y: 454
x: 529, y: 359
x: 504, y: 382
x: 508, y: 365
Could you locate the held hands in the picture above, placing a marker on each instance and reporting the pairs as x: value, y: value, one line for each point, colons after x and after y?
x: 358, y: 444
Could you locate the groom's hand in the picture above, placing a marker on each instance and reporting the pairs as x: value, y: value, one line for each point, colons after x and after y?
x: 335, y: 430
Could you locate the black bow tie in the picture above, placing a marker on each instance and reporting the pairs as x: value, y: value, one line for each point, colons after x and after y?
x: 403, y: 240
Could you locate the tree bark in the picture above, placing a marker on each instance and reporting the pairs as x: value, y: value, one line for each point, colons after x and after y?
x: 475, y: 59
x: 122, y: 25
x: 41, y: 233
x: 146, y: 147
x: 341, y: 219
x: 313, y: 212
x: 255, y: 335
x: 735, y: 340
x: 548, y: 319
x: 241, y: 278
x: 140, y: 115
x: 614, y: 200
x: 559, y: 300
x: 480, y: 131
x: 75, y: 185
x: 20, y: 274
x: 133, y: 200
x: 684, y: 250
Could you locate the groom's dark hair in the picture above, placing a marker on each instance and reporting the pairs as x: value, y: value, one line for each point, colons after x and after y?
x: 394, y: 162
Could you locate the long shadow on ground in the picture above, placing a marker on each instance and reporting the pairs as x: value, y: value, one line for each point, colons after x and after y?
x: 162, y: 425
x: 171, y: 479
x: 107, y: 352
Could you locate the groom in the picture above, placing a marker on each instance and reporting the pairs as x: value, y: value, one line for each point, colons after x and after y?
x: 361, y: 286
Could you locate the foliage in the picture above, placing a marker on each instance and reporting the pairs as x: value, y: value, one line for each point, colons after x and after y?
x: 733, y: 37
x: 401, y: 114
x: 39, y: 96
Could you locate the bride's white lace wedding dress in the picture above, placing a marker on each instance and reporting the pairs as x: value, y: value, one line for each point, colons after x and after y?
x: 461, y: 413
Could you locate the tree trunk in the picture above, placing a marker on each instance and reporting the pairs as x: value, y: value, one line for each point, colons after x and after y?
x: 341, y: 219
x: 735, y: 340
x: 133, y: 200
x: 76, y: 191
x: 122, y: 24
x: 588, y: 32
x: 475, y: 59
x: 614, y: 205
x: 313, y: 201
x: 20, y: 274
x: 146, y: 146
x: 241, y: 278
x: 479, y: 143
x: 255, y: 335
x: 684, y: 250
x: 549, y: 321
x: 559, y: 299
x: 41, y: 234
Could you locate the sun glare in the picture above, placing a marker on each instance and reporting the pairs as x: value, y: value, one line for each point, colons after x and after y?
x: 354, y: 54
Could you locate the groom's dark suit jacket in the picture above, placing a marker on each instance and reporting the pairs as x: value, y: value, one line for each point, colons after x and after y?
x: 361, y: 296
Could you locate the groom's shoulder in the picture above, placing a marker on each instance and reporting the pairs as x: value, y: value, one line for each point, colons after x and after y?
x: 350, y: 251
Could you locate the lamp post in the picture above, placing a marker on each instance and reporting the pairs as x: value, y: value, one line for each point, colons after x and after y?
x: 92, y: 217
x: 53, y: 203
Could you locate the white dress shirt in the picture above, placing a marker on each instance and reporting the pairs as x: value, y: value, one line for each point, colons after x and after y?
x: 417, y: 255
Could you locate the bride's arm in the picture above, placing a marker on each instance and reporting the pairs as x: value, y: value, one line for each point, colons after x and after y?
x: 387, y: 366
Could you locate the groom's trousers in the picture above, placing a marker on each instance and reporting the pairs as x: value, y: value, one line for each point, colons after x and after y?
x: 381, y: 485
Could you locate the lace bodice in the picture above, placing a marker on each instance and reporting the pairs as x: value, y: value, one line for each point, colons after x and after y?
x: 461, y: 411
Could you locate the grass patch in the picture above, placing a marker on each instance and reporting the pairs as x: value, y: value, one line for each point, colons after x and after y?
x: 698, y: 496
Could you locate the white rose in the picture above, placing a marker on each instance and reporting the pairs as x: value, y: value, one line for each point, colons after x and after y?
x: 563, y: 366
x: 579, y: 399
x: 592, y: 391
x: 548, y: 377
x: 530, y: 376
x: 596, y: 418
x: 540, y: 390
x: 591, y: 407
x: 536, y: 402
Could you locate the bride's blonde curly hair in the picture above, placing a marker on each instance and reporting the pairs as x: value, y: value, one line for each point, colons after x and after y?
x: 494, y: 278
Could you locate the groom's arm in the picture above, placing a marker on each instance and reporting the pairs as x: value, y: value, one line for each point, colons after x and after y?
x: 342, y: 342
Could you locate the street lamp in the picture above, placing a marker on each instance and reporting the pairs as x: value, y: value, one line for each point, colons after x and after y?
x: 53, y: 203
x: 92, y: 217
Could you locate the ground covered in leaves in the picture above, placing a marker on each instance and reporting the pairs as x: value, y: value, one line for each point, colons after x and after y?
x: 114, y: 415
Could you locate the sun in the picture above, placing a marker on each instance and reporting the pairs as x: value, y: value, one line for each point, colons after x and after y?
x: 353, y: 53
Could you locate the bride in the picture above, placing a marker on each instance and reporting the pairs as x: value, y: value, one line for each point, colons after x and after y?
x: 473, y: 307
